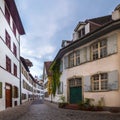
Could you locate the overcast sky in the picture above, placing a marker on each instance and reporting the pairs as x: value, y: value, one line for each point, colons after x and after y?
x: 48, y: 22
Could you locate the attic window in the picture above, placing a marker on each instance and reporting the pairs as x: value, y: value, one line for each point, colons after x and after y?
x: 82, y: 32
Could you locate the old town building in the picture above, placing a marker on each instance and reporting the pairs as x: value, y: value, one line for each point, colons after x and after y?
x: 10, y: 31
x: 91, y: 62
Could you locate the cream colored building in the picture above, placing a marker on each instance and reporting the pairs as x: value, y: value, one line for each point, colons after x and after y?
x: 91, y: 61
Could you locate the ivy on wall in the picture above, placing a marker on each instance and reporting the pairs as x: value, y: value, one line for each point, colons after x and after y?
x: 49, y: 85
x: 55, y: 83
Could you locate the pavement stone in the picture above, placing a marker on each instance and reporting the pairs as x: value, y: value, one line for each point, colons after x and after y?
x: 16, y: 112
x: 49, y: 111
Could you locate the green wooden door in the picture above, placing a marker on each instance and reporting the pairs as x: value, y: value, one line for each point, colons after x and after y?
x: 75, y: 94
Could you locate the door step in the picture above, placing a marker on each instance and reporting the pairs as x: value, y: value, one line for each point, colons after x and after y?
x: 72, y: 106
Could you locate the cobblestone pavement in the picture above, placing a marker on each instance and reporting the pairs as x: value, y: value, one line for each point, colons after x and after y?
x: 48, y: 111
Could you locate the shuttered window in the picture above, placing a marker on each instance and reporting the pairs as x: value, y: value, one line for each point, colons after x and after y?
x: 15, y: 70
x: 0, y: 89
x: 8, y: 64
x: 15, y: 92
x: 77, y: 57
x: 7, y: 14
x: 100, y: 82
x: 99, y: 50
x: 8, y: 39
x: 71, y: 60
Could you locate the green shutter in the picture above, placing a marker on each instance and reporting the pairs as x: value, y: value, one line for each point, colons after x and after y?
x: 112, y: 44
x: 0, y: 89
x: 113, y: 79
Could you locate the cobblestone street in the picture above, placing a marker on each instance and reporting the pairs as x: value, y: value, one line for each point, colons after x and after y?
x: 47, y: 111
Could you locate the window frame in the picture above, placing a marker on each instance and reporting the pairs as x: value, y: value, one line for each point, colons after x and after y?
x: 8, y: 64
x: 8, y: 39
x: 96, y: 50
x: 7, y: 14
x: 97, y: 80
x: 14, y: 50
x: 15, y: 70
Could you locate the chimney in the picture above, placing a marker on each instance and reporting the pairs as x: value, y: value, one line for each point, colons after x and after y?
x: 116, y: 13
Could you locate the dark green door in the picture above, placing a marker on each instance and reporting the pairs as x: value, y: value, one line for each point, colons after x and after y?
x: 75, y: 94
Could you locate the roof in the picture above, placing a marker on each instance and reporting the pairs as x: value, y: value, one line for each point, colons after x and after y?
x: 24, y: 63
x: 104, y: 29
x: 118, y: 7
x: 101, y: 20
x: 15, y: 15
x: 47, y: 66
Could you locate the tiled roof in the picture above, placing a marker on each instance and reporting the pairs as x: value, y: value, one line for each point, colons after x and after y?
x: 24, y: 63
x: 101, y: 20
x: 47, y: 66
x: 15, y: 15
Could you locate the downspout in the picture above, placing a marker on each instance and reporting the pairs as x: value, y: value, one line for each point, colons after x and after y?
x: 20, y: 71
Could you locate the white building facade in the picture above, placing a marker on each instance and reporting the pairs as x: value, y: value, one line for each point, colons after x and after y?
x: 10, y: 31
x: 91, y: 62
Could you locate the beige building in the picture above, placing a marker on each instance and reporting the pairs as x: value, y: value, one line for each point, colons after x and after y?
x: 91, y: 61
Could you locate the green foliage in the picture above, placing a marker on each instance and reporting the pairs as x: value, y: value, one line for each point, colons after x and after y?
x: 62, y: 98
x: 55, y: 76
x: 87, y: 105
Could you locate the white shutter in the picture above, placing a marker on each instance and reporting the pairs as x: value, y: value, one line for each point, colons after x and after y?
x: 87, y: 84
x: 112, y: 44
x: 88, y: 53
x: 113, y: 79
x: 66, y: 62
x: 83, y: 55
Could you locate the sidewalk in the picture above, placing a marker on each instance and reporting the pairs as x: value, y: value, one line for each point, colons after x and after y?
x: 16, y: 112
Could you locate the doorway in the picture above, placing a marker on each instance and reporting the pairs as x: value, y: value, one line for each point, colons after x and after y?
x: 8, y: 94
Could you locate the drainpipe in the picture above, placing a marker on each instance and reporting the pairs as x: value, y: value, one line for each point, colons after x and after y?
x: 20, y: 71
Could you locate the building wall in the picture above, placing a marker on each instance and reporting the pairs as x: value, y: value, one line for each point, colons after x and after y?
x: 106, y: 64
x: 6, y: 77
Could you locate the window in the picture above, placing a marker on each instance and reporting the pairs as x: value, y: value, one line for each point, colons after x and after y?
x: 77, y: 57
x: 71, y: 60
x: 60, y: 89
x: 7, y: 14
x: 82, y: 32
x: 8, y: 39
x: 14, y: 50
x: 24, y: 96
x: 75, y: 82
x: 8, y: 64
x: 15, y: 92
x: 99, y: 50
x: 100, y: 82
x: 15, y: 70
x: 14, y: 29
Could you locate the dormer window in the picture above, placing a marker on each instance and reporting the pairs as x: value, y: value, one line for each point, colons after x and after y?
x: 82, y: 32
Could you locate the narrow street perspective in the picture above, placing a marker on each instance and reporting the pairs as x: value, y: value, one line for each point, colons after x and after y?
x: 59, y: 60
x: 40, y: 110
